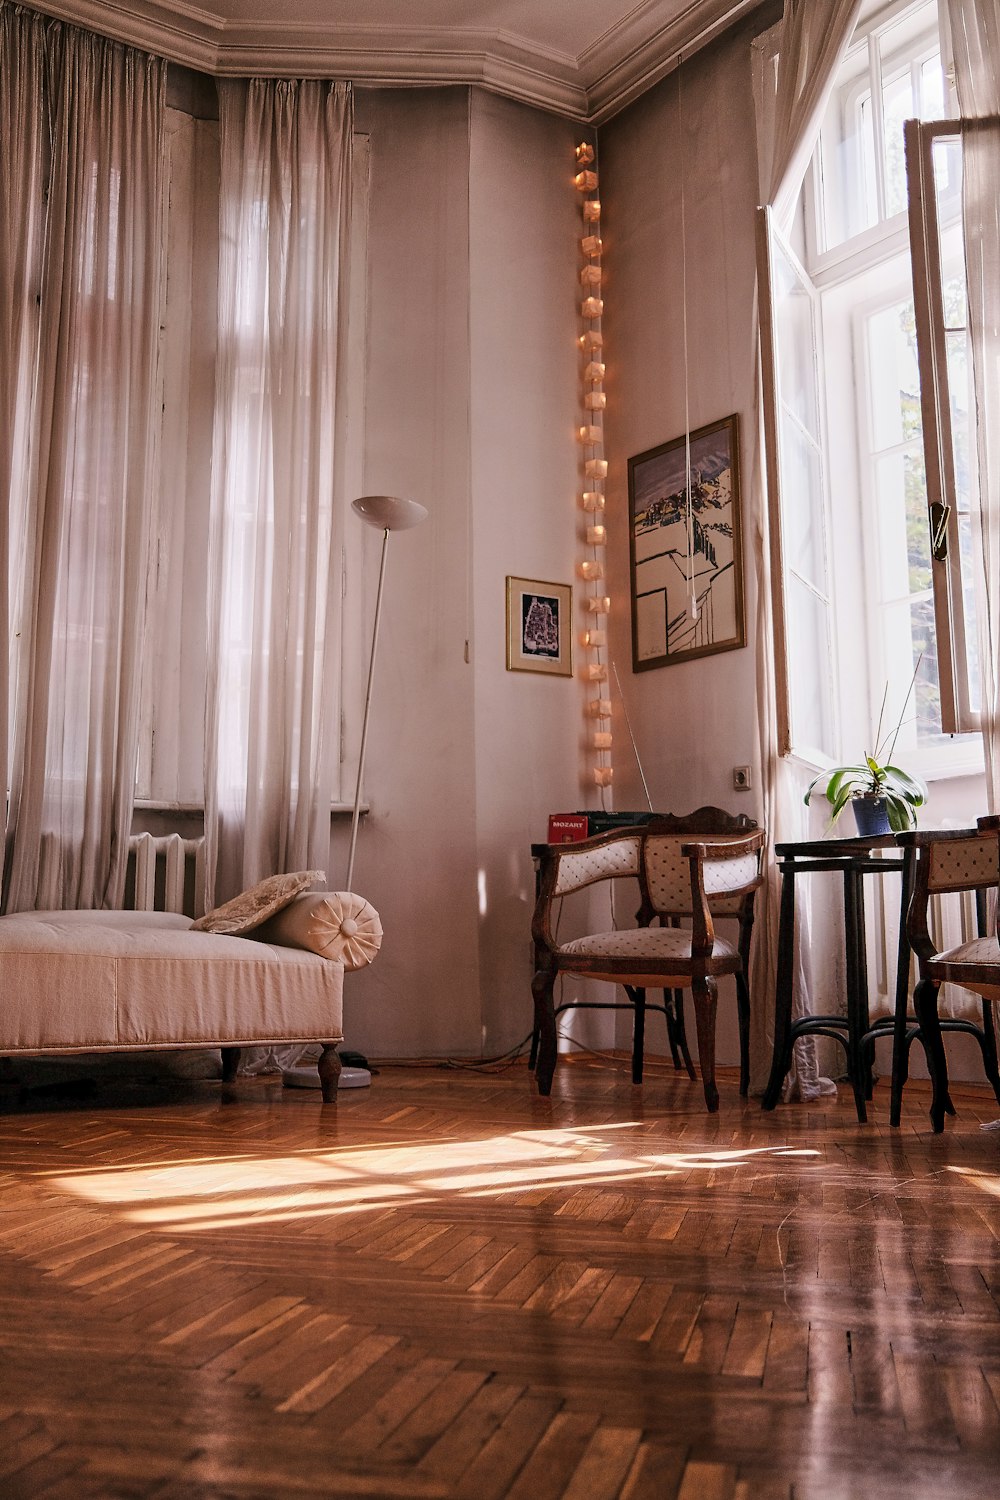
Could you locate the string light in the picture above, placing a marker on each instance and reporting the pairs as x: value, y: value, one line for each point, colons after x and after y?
x: 596, y: 604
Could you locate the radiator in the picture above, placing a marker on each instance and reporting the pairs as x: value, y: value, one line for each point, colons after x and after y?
x: 165, y: 874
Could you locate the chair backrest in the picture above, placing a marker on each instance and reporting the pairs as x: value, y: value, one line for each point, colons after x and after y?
x: 948, y: 860
x: 611, y: 856
x: 666, y: 875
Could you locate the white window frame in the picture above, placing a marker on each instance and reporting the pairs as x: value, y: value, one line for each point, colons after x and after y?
x: 952, y: 627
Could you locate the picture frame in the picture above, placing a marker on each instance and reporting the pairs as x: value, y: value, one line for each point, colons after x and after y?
x: 539, y: 627
x: 668, y: 555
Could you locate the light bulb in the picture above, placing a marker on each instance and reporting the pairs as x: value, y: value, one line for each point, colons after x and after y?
x: 593, y: 500
x: 591, y: 307
x: 585, y: 153
x: 603, y: 775
x: 592, y: 209
x: 591, y: 276
x: 591, y: 244
x: 596, y: 468
x: 597, y: 536
x: 586, y: 182
x: 598, y: 604
x: 596, y: 672
x: 599, y: 708
x: 594, y: 372
x: 594, y: 638
x: 592, y: 339
x: 601, y: 739
x: 590, y: 434
x: 595, y: 400
x: 591, y: 570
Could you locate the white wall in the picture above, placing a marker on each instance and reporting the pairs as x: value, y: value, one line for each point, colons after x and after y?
x: 470, y: 409
x: 693, y: 722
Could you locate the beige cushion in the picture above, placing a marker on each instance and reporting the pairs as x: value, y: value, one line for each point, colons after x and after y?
x: 250, y: 908
x: 659, y: 944
x: 95, y: 980
x: 335, y: 924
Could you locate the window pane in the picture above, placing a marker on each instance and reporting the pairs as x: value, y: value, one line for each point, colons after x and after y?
x: 809, y: 648
x: 849, y: 188
x: 898, y: 104
x: 793, y: 317
x: 803, y: 528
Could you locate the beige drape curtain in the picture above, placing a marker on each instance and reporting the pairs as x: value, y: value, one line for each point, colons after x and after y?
x: 975, y: 32
x: 82, y: 121
x: 812, y: 40
x: 273, y: 709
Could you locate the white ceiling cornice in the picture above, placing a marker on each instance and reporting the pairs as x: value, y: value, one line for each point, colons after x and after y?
x: 590, y: 86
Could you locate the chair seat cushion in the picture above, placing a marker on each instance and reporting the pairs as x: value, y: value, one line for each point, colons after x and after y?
x: 661, y: 947
x: 969, y: 964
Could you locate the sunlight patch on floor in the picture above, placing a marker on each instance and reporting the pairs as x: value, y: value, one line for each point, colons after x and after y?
x: 204, y: 1194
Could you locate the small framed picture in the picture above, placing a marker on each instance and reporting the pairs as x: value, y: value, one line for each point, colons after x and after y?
x: 687, y: 561
x: 539, y: 627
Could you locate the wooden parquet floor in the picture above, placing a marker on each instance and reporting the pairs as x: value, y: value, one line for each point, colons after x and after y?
x: 448, y: 1287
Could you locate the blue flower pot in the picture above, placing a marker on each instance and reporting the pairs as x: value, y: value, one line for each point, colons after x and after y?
x: 871, y: 816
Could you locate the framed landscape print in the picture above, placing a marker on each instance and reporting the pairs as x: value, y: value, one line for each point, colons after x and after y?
x: 539, y: 627
x: 681, y: 550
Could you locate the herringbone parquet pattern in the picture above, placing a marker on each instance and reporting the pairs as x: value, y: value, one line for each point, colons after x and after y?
x: 448, y: 1287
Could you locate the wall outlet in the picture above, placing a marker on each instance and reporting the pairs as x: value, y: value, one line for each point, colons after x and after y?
x: 741, y: 778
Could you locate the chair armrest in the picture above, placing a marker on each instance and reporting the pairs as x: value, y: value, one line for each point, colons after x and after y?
x: 733, y: 869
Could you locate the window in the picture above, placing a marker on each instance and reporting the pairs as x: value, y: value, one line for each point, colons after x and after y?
x: 861, y: 594
x: 170, y: 770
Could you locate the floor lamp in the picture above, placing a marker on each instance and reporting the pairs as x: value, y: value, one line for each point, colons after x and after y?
x: 385, y: 513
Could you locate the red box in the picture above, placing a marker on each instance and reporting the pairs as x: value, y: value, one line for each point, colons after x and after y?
x: 567, y: 828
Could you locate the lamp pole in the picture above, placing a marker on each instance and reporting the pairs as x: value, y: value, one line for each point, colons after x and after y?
x: 387, y: 513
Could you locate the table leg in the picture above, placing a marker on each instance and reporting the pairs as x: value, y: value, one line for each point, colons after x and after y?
x: 781, y: 1057
x: 857, y: 1005
x: 900, y: 1048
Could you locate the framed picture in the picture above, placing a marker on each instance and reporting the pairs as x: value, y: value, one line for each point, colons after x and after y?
x: 684, y: 552
x: 539, y: 627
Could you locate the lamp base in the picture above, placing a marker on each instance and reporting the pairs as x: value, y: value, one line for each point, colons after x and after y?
x: 308, y: 1078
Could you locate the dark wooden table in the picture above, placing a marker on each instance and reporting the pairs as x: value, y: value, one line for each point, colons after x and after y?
x: 852, y: 859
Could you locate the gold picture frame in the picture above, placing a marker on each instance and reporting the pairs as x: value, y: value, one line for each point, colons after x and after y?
x: 539, y: 627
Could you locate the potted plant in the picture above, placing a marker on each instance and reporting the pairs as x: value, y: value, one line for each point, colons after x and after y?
x: 884, y: 798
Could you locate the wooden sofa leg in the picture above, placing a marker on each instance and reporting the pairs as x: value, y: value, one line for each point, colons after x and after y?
x: 230, y: 1063
x: 329, y: 1072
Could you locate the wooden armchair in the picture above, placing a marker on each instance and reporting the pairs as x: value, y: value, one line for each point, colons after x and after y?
x: 687, y: 869
x: 947, y: 861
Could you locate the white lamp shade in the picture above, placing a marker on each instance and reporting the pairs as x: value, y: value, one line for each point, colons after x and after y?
x: 389, y: 513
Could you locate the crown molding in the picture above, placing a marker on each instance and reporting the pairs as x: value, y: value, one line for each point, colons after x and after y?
x: 590, y: 87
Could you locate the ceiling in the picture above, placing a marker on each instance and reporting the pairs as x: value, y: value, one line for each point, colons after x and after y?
x: 583, y: 58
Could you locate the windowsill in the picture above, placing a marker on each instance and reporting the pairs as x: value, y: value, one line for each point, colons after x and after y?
x: 152, y: 804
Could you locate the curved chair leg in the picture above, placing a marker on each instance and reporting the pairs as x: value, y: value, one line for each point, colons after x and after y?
x: 988, y: 1043
x: 681, y: 1031
x: 638, y: 999
x: 670, y: 1013
x: 743, y: 1017
x: 542, y: 986
x: 925, y: 1003
x: 706, y: 995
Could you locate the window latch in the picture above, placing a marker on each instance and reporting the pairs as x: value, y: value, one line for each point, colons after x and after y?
x: 939, y: 516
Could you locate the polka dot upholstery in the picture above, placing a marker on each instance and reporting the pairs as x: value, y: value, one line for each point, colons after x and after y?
x: 668, y: 877
x: 984, y: 950
x: 659, y: 945
x: 610, y: 861
x: 963, y: 864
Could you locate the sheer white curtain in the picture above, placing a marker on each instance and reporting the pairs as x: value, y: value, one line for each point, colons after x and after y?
x: 975, y: 31
x: 83, y: 245
x: 273, y: 709
x: 812, y: 40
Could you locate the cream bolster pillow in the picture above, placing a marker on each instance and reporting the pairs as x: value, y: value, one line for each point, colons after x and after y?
x: 334, y: 924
